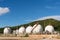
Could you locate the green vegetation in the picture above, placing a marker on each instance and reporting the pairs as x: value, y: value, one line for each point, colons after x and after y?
x: 44, y: 23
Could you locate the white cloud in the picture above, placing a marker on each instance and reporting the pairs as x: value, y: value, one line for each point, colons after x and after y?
x: 4, y: 10
x: 28, y: 20
x: 57, y: 17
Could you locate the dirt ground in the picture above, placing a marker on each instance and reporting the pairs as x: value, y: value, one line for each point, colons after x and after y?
x: 25, y: 38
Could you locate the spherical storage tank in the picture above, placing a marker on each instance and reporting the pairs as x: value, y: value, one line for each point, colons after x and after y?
x: 16, y: 31
x: 7, y: 30
x: 38, y: 29
x: 29, y: 29
x: 22, y: 30
x: 49, y: 28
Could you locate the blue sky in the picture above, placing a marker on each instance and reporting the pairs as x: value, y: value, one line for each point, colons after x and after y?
x: 24, y: 11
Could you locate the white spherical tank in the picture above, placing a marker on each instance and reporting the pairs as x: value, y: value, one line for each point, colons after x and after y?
x: 29, y: 29
x: 22, y: 30
x: 49, y: 28
x: 38, y: 29
x: 17, y: 31
x: 7, y: 30
x: 14, y: 31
